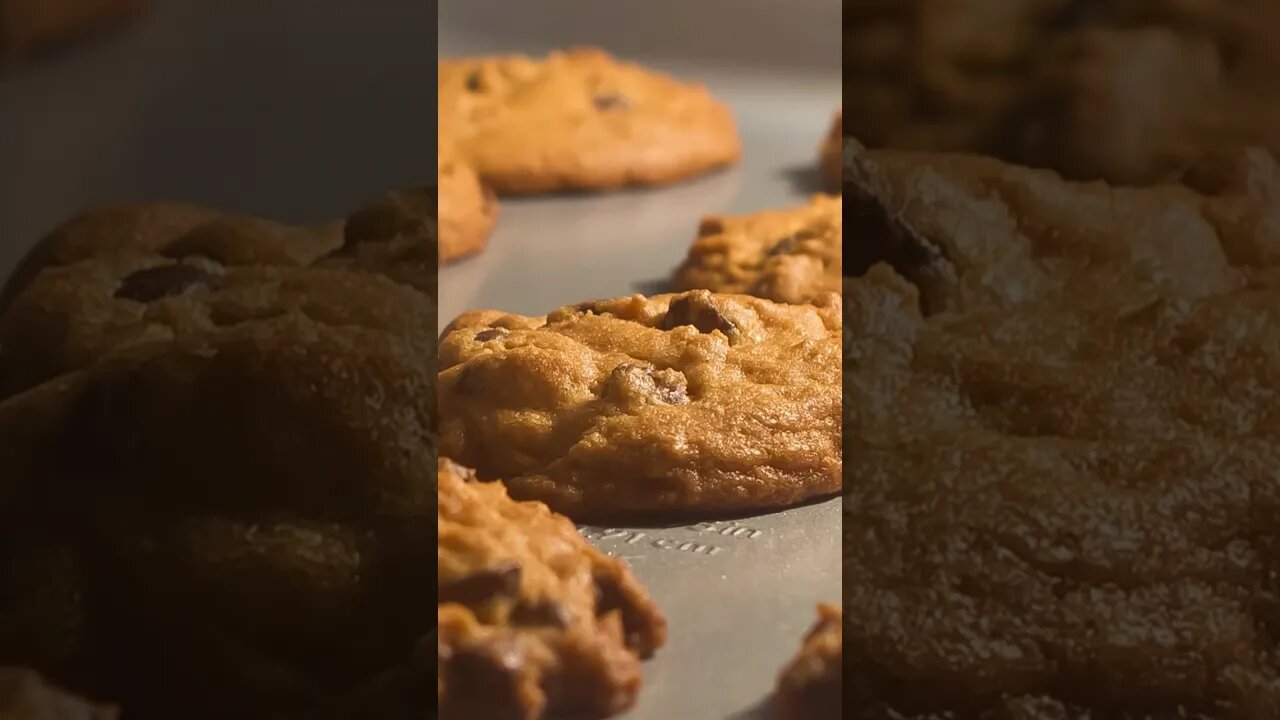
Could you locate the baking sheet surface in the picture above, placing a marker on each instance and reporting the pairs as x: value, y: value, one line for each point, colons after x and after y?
x: 740, y: 594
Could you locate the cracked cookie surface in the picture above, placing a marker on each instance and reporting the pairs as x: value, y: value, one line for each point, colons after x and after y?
x: 809, y: 687
x: 1062, y: 442
x: 533, y: 621
x: 579, y: 120
x: 790, y: 256
x: 693, y: 402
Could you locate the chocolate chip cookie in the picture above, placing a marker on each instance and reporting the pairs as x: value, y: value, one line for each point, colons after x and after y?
x: 830, y: 154
x: 229, y: 524
x: 687, y: 403
x: 468, y: 209
x: 579, y: 120
x: 810, y: 686
x: 533, y: 622
x: 143, y: 275
x: 1063, y: 442
x: 24, y: 695
x: 1128, y: 92
x: 789, y: 256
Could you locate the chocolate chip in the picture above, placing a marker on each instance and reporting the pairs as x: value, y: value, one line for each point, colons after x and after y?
x: 699, y: 310
x: 627, y: 381
x: 475, y: 81
x: 491, y: 334
x: 154, y: 283
x: 541, y: 613
x: 610, y: 101
x: 499, y: 581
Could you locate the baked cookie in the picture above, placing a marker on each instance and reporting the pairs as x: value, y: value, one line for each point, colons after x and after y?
x: 1128, y: 92
x: 28, y: 26
x: 468, y: 209
x: 809, y: 688
x: 1063, y: 443
x: 579, y: 120
x: 156, y: 274
x: 693, y: 403
x: 790, y: 256
x: 830, y: 154
x: 24, y: 695
x: 533, y: 622
x: 230, y: 524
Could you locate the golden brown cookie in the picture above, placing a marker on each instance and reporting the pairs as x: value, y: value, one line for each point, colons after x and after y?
x: 579, y: 120
x: 468, y: 209
x: 790, y: 256
x: 1062, y: 442
x: 1128, y: 92
x: 533, y: 622
x: 28, y: 26
x: 232, y: 524
x: 829, y: 155
x: 687, y: 403
x: 24, y: 695
x: 809, y: 688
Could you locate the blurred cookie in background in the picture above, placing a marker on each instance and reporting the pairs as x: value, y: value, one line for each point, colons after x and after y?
x: 1131, y: 93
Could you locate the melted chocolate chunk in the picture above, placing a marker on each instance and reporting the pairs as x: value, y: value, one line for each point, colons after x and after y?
x: 699, y: 310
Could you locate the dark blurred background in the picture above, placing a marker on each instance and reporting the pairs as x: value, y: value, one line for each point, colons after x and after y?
x: 295, y: 110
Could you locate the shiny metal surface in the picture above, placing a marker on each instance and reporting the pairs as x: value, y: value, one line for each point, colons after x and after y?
x: 738, y: 594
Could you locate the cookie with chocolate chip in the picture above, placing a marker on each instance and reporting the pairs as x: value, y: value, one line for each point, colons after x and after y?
x: 533, y: 621
x: 790, y: 256
x: 25, y: 695
x: 694, y: 402
x: 809, y: 688
x: 132, y: 276
x: 579, y: 120
x: 468, y: 208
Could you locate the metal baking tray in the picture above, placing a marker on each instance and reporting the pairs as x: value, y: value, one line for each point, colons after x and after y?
x: 738, y: 594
